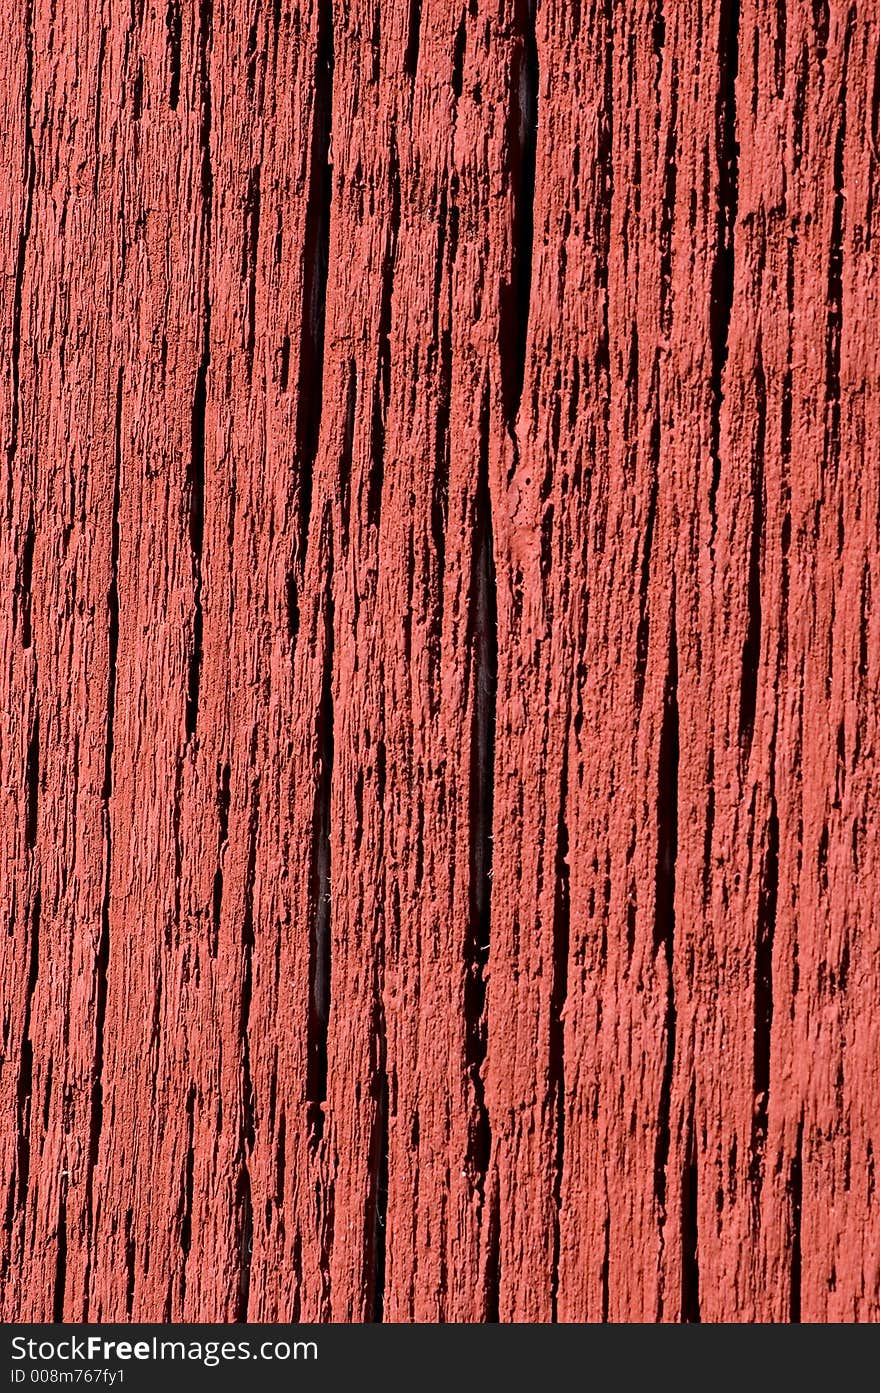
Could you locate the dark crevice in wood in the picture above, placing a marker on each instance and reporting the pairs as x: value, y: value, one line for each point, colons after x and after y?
x: 414, y: 24
x: 59, y: 1290
x: 482, y: 647
x: 223, y: 799
x: 320, y: 903
x: 347, y: 453
x: 382, y: 383
x: 643, y: 632
x: 821, y: 28
x: 796, y: 1199
x: 604, y: 186
x: 24, y: 1090
x: 664, y: 906
x: 690, y: 1239
x: 723, y: 263
x: 247, y: 1132
x: 22, y: 597
x: 779, y: 47
x: 376, y: 1214
x: 102, y: 51
x: 875, y: 106
x: 709, y: 830
x: 102, y: 956
x: 458, y: 57
x: 834, y: 301
x: 28, y: 176
x: 670, y: 184
x: 245, y: 1227
x: 130, y: 1257
x: 515, y: 298
x: 377, y: 1205
x: 32, y: 784
x: 316, y: 262
x: 558, y: 997
x: 187, y: 1199
x: 196, y: 501
x: 249, y: 254
x: 606, y: 1263
x: 196, y: 471
x: 765, y: 931
x: 492, y: 1262
x: 440, y: 509
x: 751, y: 651
x: 658, y: 39
x: 174, y: 35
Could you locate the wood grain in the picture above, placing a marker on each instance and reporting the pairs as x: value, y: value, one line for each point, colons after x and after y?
x: 439, y: 664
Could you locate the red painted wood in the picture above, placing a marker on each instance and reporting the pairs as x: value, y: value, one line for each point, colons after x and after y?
x: 439, y: 661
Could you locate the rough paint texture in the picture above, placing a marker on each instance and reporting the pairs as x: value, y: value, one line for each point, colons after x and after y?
x: 439, y: 660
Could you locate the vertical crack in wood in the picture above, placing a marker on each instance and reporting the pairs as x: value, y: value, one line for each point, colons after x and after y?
x: 59, y: 1289
x: 723, y: 264
x: 796, y: 1201
x: 522, y: 137
x: 440, y: 512
x: 780, y: 44
x: 347, y: 453
x: 458, y: 51
x: 130, y: 1256
x: 187, y: 1196
x: 558, y: 996
x: 482, y: 648
x: 96, y: 174
x: 24, y: 1088
x: 482, y: 644
x: 605, y: 1279
x: 643, y: 631
x: 315, y: 265
x: 376, y: 1214
x: 491, y: 1293
x: 22, y: 598
x: 763, y: 991
x: 102, y: 955
x: 413, y: 36
x: 834, y: 292
x: 173, y: 38
x: 751, y: 651
x: 382, y: 381
x: 32, y: 782
x: 320, y: 883
x: 28, y: 177
x: 196, y: 471
x: 249, y: 255
x: 377, y: 1207
x: 247, y: 1130
x: 223, y: 800
x: 440, y: 354
x: 670, y: 182
x: 664, y: 911
x: 690, y: 1238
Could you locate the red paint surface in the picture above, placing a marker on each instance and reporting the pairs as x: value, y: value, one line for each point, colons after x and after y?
x: 439, y: 833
